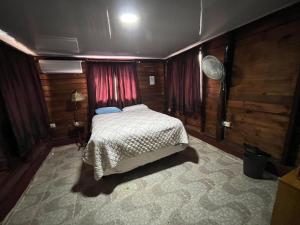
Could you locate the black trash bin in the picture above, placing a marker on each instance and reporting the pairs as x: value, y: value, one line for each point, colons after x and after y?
x: 255, y: 161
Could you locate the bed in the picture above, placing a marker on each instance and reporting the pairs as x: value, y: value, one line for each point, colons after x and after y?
x: 123, y: 141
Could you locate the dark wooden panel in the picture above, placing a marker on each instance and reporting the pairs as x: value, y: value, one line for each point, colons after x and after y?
x: 265, y: 71
x: 57, y: 90
x: 152, y: 96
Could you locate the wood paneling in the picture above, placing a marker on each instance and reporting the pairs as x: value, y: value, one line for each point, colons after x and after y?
x: 265, y: 72
x: 57, y: 90
x: 152, y: 96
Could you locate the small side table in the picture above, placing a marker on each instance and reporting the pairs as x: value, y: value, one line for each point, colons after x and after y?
x: 79, y: 129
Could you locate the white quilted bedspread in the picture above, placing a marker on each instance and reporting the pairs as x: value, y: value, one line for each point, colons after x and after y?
x: 117, y: 136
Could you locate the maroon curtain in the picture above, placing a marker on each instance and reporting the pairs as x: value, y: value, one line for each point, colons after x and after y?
x: 8, y: 143
x: 101, y: 88
x: 21, y: 90
x: 127, y: 84
x: 111, y: 84
x: 183, y: 79
x: 102, y: 84
x: 175, y: 85
x: 192, y: 98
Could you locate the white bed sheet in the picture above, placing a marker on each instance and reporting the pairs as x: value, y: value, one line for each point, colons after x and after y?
x: 119, y: 137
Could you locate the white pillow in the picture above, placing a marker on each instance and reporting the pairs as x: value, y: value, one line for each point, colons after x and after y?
x: 135, y: 107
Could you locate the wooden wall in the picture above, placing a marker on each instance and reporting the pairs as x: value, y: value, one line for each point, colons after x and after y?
x: 263, y: 84
x: 265, y: 71
x: 58, y: 88
x: 152, y: 96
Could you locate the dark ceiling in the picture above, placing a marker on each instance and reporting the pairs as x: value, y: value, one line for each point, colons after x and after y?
x: 80, y: 27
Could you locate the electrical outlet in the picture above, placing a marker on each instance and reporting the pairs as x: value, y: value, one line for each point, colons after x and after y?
x: 52, y: 125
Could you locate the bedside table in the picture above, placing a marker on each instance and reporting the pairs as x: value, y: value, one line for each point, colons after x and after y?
x: 79, y: 129
x: 287, y: 205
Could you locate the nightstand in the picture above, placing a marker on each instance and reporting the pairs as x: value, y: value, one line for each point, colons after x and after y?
x: 287, y: 205
x: 79, y: 131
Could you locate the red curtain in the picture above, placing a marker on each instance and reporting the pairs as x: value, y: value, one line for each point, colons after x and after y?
x: 111, y: 84
x: 22, y: 93
x: 183, y: 88
x: 174, y: 85
x: 102, y: 84
x: 127, y: 93
x: 8, y: 147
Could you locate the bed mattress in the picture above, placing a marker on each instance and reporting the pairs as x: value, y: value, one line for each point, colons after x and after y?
x: 125, y: 140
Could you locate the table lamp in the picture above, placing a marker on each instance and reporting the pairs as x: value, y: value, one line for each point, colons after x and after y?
x: 76, y: 97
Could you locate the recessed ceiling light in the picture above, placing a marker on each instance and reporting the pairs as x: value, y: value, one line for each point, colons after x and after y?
x: 129, y: 18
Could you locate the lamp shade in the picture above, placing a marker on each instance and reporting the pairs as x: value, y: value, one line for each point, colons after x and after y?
x: 77, y: 96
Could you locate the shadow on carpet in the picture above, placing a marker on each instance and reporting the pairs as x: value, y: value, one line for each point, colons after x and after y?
x: 89, y: 187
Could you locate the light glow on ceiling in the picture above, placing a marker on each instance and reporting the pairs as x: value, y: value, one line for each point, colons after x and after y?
x: 5, y: 37
x: 129, y: 18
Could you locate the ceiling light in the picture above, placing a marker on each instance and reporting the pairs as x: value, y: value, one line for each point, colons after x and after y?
x: 129, y: 18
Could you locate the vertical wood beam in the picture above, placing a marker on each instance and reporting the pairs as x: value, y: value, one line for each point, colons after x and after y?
x: 290, y: 149
x: 165, y: 87
x: 203, y: 103
x: 224, y: 91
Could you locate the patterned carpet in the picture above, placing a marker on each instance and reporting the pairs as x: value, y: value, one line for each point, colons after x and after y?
x: 201, y: 185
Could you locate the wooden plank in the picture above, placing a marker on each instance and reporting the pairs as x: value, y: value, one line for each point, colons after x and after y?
x: 260, y: 98
x: 260, y: 107
x: 65, y: 87
x: 63, y: 82
x: 62, y: 76
x: 63, y: 92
